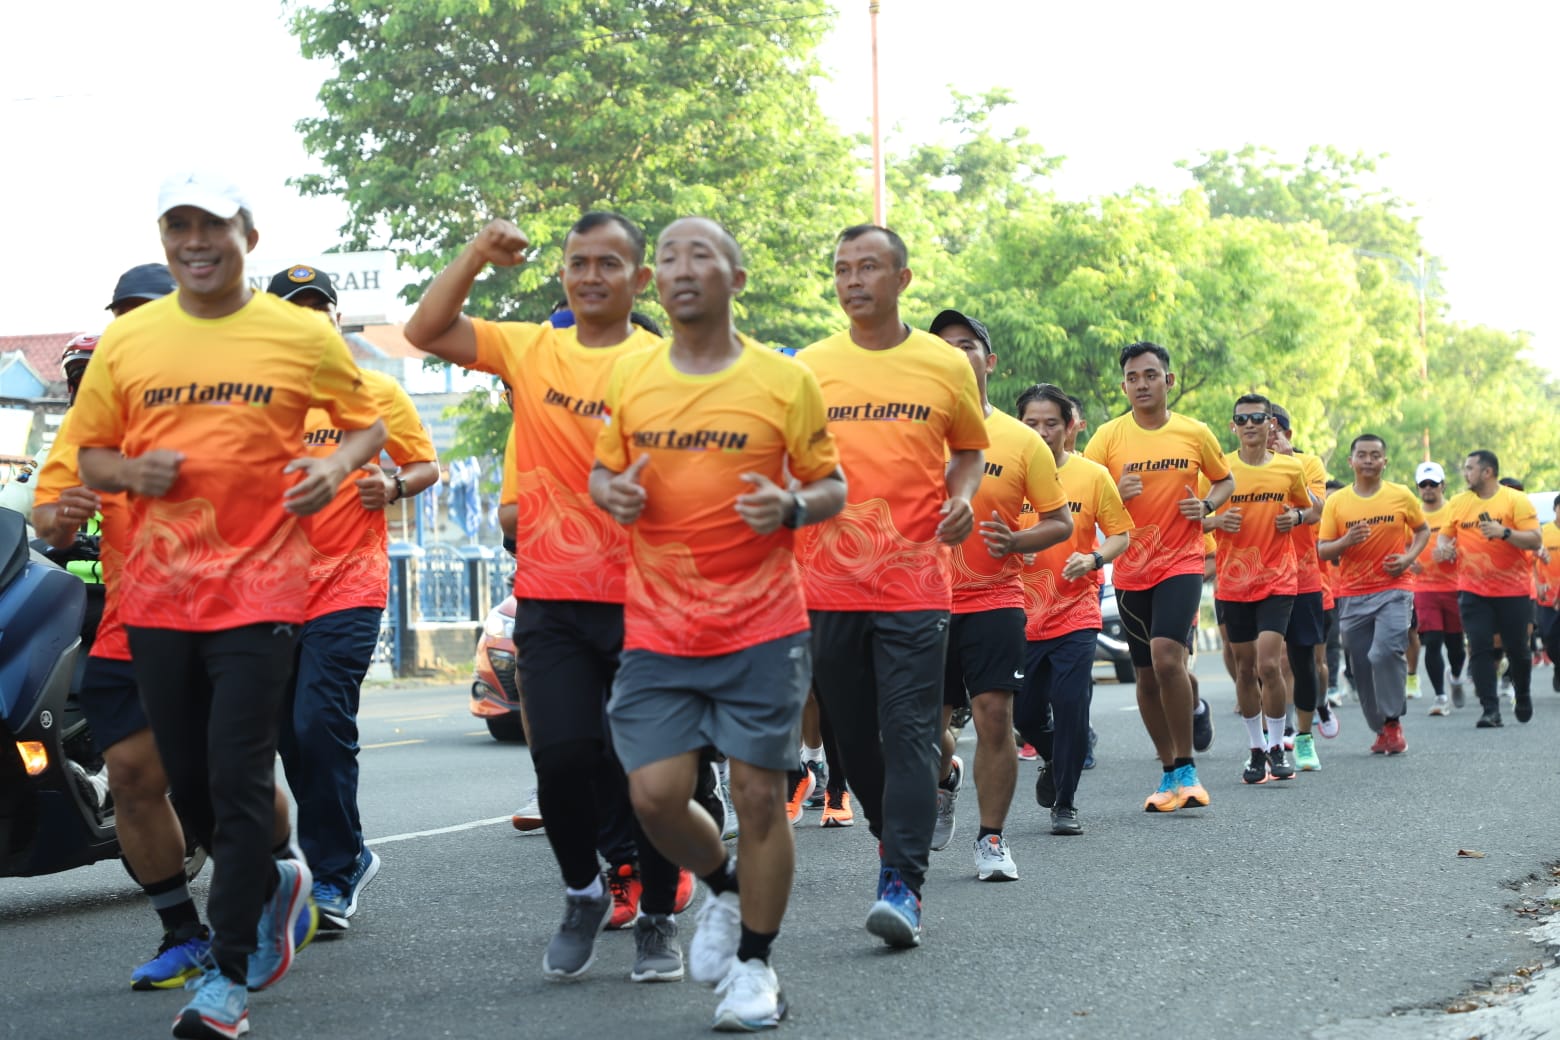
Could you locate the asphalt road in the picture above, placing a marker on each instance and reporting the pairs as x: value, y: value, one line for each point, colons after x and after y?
x: 1318, y: 907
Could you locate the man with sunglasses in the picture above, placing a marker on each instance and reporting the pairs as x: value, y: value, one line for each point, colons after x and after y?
x: 1435, y: 595
x: 1375, y: 530
x: 1258, y: 579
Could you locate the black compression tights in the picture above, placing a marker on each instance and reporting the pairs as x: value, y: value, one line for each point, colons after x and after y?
x: 1302, y: 662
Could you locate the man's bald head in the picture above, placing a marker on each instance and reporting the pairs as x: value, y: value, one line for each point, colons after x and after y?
x: 711, y: 230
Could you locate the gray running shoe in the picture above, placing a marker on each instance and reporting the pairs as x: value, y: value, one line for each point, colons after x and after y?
x: 657, y: 956
x: 574, y: 947
x: 1064, y: 820
x: 942, y: 830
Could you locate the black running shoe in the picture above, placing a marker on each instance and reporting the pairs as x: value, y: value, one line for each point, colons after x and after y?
x: 1524, y: 707
x: 1256, y: 771
x: 1202, y: 729
x: 1489, y: 720
x: 1045, y: 786
x: 1278, y: 764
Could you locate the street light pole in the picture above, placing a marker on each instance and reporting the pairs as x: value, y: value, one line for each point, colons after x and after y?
x: 879, y: 209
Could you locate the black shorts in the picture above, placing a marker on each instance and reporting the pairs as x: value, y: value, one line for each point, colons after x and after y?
x: 111, y: 702
x: 1307, y: 621
x: 1166, y: 611
x: 1243, y: 621
x: 985, y: 654
x: 566, y: 655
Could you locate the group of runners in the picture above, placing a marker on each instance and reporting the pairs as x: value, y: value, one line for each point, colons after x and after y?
x: 802, y: 566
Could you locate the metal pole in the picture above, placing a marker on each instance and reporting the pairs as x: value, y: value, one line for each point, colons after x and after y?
x: 879, y: 211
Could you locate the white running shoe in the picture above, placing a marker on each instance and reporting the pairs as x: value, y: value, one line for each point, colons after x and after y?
x: 1328, y: 727
x: 942, y: 830
x: 750, y: 998
x: 717, y: 931
x: 731, y: 826
x: 993, y: 861
x: 1442, y: 706
x: 528, y: 818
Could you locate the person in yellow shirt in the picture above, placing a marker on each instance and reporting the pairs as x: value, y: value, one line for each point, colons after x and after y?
x: 1156, y: 458
x: 1375, y: 530
x: 707, y: 428
x: 1489, y: 529
x: 985, y: 666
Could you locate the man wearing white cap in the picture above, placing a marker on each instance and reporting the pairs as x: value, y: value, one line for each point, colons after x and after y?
x: 1435, y: 596
x: 178, y: 389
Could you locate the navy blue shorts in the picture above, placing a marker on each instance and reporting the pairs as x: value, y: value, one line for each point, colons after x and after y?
x: 111, y: 701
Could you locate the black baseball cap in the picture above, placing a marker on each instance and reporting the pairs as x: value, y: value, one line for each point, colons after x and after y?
x: 146, y: 282
x: 300, y: 277
x: 953, y: 317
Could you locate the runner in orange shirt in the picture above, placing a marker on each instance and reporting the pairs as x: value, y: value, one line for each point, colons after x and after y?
x: 1435, y: 596
x: 1375, y: 530
x: 1305, y: 639
x: 1258, y: 579
x: 569, y: 566
x: 1156, y: 457
x: 985, y: 666
x: 349, y: 585
x: 179, y: 389
x: 1546, y: 579
x: 906, y: 413
x: 1062, y: 608
x: 1488, y: 530
x: 706, y: 429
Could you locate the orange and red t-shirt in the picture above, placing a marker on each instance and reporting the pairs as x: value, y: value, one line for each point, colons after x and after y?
x: 1392, y: 514
x: 1435, y: 576
x: 895, y: 414
x: 1258, y: 561
x: 701, y: 582
x: 1053, y: 605
x: 231, y: 394
x: 565, y: 548
x: 1546, y: 576
x: 59, y: 473
x: 351, y: 567
x: 1491, y: 566
x: 1020, y: 470
x: 1165, y: 544
x: 1308, y: 565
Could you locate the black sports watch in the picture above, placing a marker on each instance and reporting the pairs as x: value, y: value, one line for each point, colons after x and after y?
x: 400, y: 489
x: 1505, y: 533
x: 798, y: 514
x: 1207, y: 507
x: 1099, y: 561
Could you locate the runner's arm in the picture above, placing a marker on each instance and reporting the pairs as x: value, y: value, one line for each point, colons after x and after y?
x: 438, y: 324
x: 1052, y: 527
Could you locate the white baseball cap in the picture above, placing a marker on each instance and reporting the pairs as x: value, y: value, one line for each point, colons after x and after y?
x: 1429, y: 471
x: 203, y: 189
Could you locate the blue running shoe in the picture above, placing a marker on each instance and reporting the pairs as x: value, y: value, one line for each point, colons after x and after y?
x: 363, y: 871
x: 308, y: 926
x: 332, y: 903
x: 896, y: 916
x: 276, y: 937
x: 177, y: 961
x: 219, y: 1009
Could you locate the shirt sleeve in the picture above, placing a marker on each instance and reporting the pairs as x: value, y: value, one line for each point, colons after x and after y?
x: 1094, y: 451
x: 502, y: 346
x: 1213, y: 462
x: 1414, y: 513
x: 967, y: 431
x: 508, y: 494
x: 339, y: 388
x: 1523, y: 516
x: 99, y: 413
x: 1110, y: 513
x: 811, y: 452
x: 611, y: 450
x: 1042, y: 486
x: 59, y: 469
x: 408, y: 440
x: 1329, y: 526
x: 1299, y: 494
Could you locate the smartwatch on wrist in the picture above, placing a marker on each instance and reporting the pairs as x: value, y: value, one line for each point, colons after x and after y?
x: 1207, y: 507
x: 1505, y: 533
x: 400, y: 489
x: 1099, y: 561
x: 798, y: 515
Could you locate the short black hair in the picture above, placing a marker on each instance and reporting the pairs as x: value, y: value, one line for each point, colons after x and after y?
x: 1366, y: 437
x: 646, y: 322
x: 1486, y: 458
x: 595, y: 218
x: 1334, y: 485
x: 1513, y: 483
x: 1254, y: 399
x: 1132, y: 350
x: 896, y: 244
x: 1047, y: 392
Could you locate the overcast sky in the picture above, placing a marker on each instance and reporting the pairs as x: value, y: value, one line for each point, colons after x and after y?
x: 98, y: 100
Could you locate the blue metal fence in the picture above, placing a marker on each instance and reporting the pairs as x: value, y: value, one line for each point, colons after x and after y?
x: 443, y: 590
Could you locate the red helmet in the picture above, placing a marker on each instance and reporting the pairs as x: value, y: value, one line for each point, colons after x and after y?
x: 74, y: 361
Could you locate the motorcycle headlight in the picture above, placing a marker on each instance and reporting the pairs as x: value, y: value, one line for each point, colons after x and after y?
x: 498, y: 625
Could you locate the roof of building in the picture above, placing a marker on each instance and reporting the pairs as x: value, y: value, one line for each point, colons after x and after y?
x: 42, y: 352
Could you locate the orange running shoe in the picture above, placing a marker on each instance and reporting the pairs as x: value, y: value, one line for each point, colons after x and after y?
x: 624, y: 884
x: 1168, y: 797
x: 802, y: 783
x: 836, y: 811
x: 1393, y: 731
x: 1383, y: 743
x: 1193, y: 794
x: 684, y: 891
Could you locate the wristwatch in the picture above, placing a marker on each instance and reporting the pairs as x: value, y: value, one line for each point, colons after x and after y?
x: 400, y: 489
x: 1099, y: 561
x: 1207, y: 507
x: 1505, y: 533
x: 798, y: 515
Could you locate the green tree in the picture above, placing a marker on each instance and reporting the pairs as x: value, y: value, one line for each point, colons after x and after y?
x: 442, y: 115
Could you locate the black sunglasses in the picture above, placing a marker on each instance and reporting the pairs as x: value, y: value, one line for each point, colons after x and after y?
x: 1250, y: 417
x: 1429, y: 483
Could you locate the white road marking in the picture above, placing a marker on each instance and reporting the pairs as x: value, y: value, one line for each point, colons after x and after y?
x: 473, y: 825
x: 394, y: 743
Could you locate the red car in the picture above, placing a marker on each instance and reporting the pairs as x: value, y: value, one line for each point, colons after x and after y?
x: 495, y: 688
